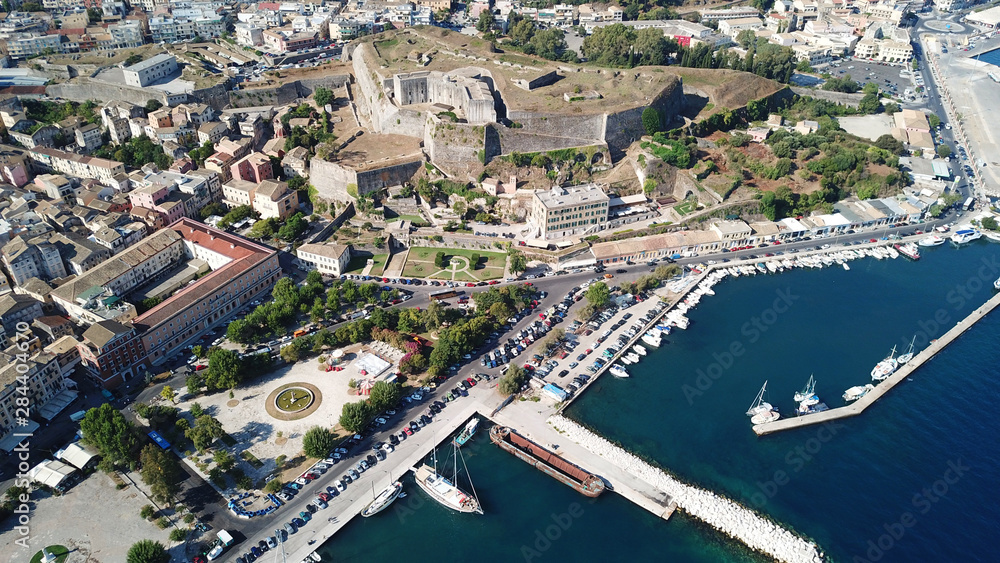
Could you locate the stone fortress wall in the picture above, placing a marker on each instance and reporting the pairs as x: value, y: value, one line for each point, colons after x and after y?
x: 331, y: 179
x: 373, y: 104
x: 472, y: 89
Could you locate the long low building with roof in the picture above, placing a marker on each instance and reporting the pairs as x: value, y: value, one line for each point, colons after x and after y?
x: 120, y: 342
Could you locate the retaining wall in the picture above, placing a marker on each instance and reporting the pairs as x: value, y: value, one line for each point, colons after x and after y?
x: 331, y: 179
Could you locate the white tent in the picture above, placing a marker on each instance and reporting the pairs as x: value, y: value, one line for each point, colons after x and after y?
x: 51, y: 473
x: 77, y: 455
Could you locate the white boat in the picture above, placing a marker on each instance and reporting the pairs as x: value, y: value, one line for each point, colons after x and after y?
x: 618, y: 371
x: 639, y: 350
x: 996, y: 284
x: 932, y: 240
x: 383, y: 499
x: 625, y: 360
x: 651, y: 339
x: 765, y: 417
x: 856, y: 392
x: 904, y: 358
x: 807, y: 395
x: 965, y: 235
x: 759, y: 405
x: 446, y: 491
x: 909, y: 250
x: 633, y: 357
x: 885, y: 368
x: 846, y: 267
x: 468, y: 432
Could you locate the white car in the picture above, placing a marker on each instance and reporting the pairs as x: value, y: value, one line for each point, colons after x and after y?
x: 388, y: 448
x: 340, y: 485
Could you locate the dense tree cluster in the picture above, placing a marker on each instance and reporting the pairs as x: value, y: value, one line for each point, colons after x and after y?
x: 550, y: 43
x: 114, y: 437
x: 136, y: 152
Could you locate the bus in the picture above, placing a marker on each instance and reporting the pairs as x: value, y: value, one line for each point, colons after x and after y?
x: 300, y: 332
x: 443, y: 294
x: 968, y: 204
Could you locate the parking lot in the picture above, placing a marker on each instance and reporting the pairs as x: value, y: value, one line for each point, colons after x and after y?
x: 885, y: 75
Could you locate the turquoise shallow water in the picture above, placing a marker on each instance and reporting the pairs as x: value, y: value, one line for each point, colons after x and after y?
x: 910, y: 480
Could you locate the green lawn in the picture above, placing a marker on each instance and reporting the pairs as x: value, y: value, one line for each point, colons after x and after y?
x: 378, y: 268
x: 420, y: 263
x: 415, y: 219
x: 59, y: 551
x: 685, y: 207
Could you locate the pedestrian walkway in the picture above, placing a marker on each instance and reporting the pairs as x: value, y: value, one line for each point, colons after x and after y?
x: 394, y: 269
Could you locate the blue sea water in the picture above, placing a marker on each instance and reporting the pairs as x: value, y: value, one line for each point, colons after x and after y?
x: 992, y: 57
x: 912, y: 479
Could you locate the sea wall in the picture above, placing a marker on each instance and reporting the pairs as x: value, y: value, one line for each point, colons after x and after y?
x: 735, y: 520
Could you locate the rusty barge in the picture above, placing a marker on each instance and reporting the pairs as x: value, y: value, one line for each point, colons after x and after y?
x: 547, y: 462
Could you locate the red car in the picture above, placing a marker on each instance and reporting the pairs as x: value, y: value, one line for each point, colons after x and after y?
x: 541, y: 315
x: 470, y: 284
x: 199, y: 367
x: 872, y: 240
x: 494, y: 282
x: 408, y: 430
x: 470, y: 381
x: 589, y: 350
x: 776, y: 242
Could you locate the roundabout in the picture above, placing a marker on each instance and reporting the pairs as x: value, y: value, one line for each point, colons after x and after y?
x: 293, y: 401
x: 944, y: 26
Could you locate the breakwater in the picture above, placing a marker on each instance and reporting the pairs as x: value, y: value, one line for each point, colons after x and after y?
x: 883, y: 387
x: 727, y: 516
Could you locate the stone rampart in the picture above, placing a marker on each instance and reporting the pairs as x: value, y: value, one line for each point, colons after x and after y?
x: 331, y: 179
x: 519, y: 140
x: 453, y: 147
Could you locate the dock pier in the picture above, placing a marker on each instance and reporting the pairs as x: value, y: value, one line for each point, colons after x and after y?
x: 883, y: 387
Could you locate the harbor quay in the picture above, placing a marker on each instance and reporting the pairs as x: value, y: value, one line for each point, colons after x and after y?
x: 358, y: 495
x: 884, y: 387
x: 643, y: 484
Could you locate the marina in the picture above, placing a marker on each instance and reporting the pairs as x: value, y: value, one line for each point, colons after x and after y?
x: 869, y: 397
x: 633, y: 482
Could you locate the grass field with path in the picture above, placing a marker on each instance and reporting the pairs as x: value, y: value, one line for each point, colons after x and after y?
x: 420, y: 264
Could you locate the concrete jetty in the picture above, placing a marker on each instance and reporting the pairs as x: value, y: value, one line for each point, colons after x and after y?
x: 723, y: 514
x: 882, y: 388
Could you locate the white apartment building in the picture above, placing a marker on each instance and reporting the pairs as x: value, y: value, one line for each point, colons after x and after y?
x: 150, y: 70
x: 885, y: 42
x: 331, y: 259
x: 101, y: 169
x: 564, y: 212
x: 24, y: 45
x: 732, y: 28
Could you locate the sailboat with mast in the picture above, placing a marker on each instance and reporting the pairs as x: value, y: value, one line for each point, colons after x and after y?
x: 904, y: 358
x: 382, y: 501
x: 444, y: 490
x: 807, y: 396
x: 761, y: 411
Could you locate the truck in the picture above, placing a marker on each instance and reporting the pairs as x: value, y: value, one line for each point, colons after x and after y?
x: 78, y: 416
x: 223, y: 540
